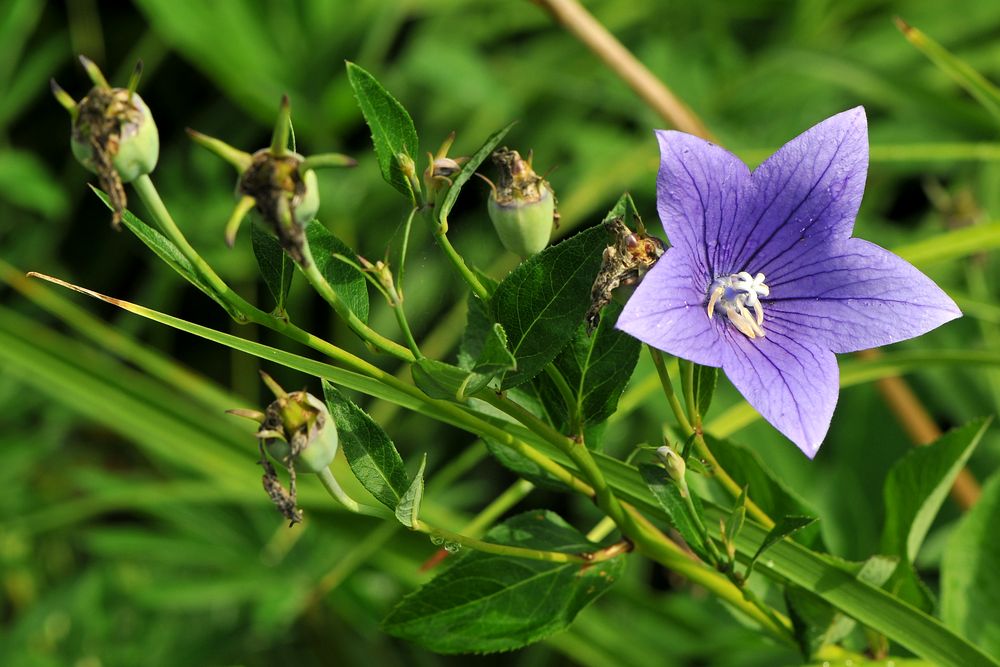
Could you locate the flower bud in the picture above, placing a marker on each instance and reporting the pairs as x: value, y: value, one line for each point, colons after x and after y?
x: 522, y: 205
x: 673, y: 462
x: 113, y: 135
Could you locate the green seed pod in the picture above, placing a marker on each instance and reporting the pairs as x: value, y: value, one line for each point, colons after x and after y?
x: 297, y: 428
x: 522, y: 205
x: 113, y: 135
x: 115, y: 124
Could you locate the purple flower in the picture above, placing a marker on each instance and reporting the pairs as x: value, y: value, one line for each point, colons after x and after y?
x: 764, y: 279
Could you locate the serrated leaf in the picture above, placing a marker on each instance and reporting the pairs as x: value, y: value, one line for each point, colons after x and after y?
x: 346, y: 280
x: 485, y: 603
x: 392, y: 128
x: 468, y: 169
x: 705, y: 379
x: 783, y: 527
x: 970, y: 579
x: 371, y: 454
x: 597, y: 368
x: 276, y: 267
x: 769, y: 493
x: 540, y: 303
x: 668, y: 495
x: 408, y: 509
x: 918, y: 484
x: 495, y: 357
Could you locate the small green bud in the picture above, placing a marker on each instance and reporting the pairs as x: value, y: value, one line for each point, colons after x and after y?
x: 113, y: 135
x: 522, y: 205
x: 673, y: 462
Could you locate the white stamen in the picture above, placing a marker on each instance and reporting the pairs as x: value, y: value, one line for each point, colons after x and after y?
x: 735, y: 296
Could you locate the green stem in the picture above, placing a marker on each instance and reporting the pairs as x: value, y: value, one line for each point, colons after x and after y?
x: 320, y: 284
x: 687, y: 385
x: 404, y: 326
x: 568, y: 396
x: 157, y: 209
x: 507, y: 550
x: 668, y: 391
x: 728, y: 483
x: 338, y: 494
x: 441, y: 236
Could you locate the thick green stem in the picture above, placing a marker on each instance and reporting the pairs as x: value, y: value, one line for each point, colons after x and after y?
x: 569, y: 398
x: 687, y: 385
x: 338, y: 494
x: 157, y: 209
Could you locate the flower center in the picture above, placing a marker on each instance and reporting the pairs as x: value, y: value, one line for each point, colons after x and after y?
x: 736, y: 296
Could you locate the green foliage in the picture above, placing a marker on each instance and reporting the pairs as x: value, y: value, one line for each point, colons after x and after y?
x: 468, y: 169
x: 485, y: 603
x: 597, y: 368
x: 372, y: 455
x: 276, y: 268
x: 537, y: 300
x: 670, y: 497
x: 346, y: 280
x: 408, y: 509
x: 783, y: 527
x: 705, y: 380
x: 440, y: 380
x: 970, y: 581
x: 392, y: 128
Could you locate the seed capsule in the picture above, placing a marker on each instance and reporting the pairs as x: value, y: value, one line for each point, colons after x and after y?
x: 522, y: 205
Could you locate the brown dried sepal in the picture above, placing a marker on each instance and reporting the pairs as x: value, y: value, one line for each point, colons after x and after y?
x: 276, y: 184
x: 104, y: 118
x: 517, y: 182
x: 624, y: 263
x: 283, y: 499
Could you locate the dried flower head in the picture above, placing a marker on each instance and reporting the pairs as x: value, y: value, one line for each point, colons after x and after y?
x: 764, y: 279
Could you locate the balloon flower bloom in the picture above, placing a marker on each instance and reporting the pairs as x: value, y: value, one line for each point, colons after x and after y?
x: 763, y: 278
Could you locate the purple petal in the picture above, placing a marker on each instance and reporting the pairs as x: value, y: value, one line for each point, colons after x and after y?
x: 667, y: 311
x: 793, y: 384
x: 699, y: 191
x: 803, y: 197
x: 857, y: 297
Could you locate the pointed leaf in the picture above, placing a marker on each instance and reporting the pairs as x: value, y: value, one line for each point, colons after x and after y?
x: 784, y: 527
x: 540, y: 303
x: 485, y: 602
x: 346, y: 280
x: 440, y: 380
x: 408, y: 510
x: 705, y: 379
x: 668, y: 495
x: 970, y: 578
x: 276, y: 267
x: 369, y: 451
x: 392, y: 128
x: 918, y: 484
x: 495, y: 357
x: 468, y: 169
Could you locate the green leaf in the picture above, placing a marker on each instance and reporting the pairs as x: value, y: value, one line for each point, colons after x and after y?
x: 542, y: 300
x: 167, y: 251
x: 918, y: 484
x: 26, y: 182
x: 597, y: 368
x: 705, y: 379
x: 783, y: 527
x: 346, y: 280
x: 276, y: 267
x: 494, y: 357
x: 408, y: 509
x: 485, y: 602
x: 668, y: 495
x: 438, y: 379
x: 468, y: 169
x: 368, y: 449
x: 392, y: 128
x: 961, y: 72
x: 765, y: 489
x: 952, y: 244
x: 970, y: 579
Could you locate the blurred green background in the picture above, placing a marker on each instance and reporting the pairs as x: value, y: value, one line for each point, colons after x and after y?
x: 134, y: 530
